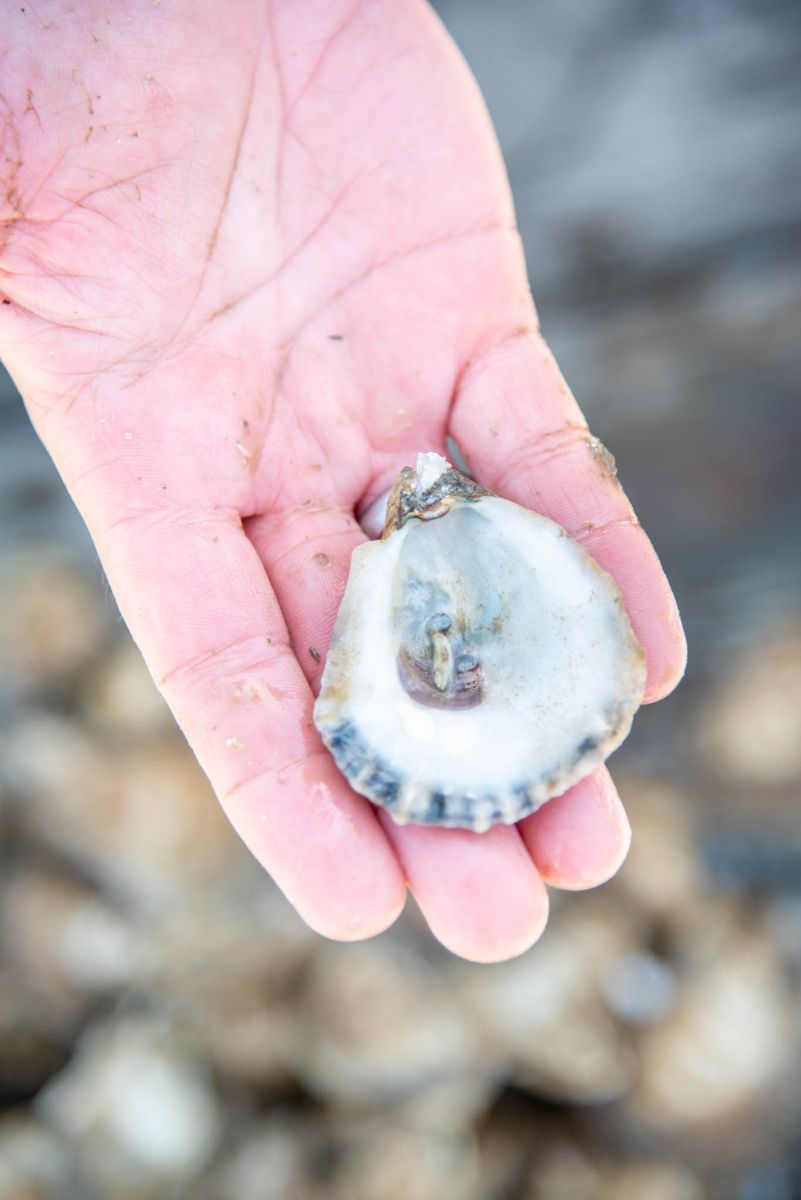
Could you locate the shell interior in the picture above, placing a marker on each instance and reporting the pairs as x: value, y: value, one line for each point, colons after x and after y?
x: 481, y: 661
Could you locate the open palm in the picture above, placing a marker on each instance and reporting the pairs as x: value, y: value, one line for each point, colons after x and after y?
x: 256, y: 258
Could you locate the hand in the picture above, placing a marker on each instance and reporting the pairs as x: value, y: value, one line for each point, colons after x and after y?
x: 255, y: 258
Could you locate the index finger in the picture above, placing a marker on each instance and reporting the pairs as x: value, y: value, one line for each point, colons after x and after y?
x: 526, y: 438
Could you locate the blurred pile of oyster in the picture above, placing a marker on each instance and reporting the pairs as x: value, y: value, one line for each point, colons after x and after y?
x: 169, y: 1028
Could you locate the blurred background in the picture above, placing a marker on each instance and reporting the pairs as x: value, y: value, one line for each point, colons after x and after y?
x: 168, y: 1028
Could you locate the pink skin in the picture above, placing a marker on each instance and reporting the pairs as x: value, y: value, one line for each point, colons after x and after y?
x: 254, y: 263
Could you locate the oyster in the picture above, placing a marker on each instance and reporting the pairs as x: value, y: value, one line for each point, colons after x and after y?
x: 481, y: 661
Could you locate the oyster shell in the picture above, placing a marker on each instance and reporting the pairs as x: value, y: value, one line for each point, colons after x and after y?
x: 481, y: 661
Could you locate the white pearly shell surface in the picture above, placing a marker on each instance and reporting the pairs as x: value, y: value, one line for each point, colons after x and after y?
x: 481, y: 663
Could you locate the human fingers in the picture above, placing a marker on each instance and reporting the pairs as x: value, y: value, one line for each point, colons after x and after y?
x: 581, y: 838
x: 195, y: 595
x: 525, y: 437
x: 479, y: 893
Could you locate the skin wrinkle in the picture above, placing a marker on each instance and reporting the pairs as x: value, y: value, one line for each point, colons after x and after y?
x: 30, y: 107
x: 13, y: 159
x: 270, y: 772
x: 125, y: 359
x: 288, y: 107
x: 287, y: 514
x: 399, y: 256
x: 213, y: 662
x: 20, y: 219
x: 73, y: 327
x: 259, y: 501
x: 494, y: 342
x: 138, y: 242
x: 481, y: 360
x: 318, y: 63
x: 267, y: 409
x: 282, y: 100
x: 65, y: 276
x: 27, y: 216
x: 52, y: 323
x: 101, y: 465
x: 285, y: 263
x: 172, y: 342
x: 486, y: 345
x: 166, y: 514
x: 212, y: 241
x: 278, y: 489
x: 538, y: 449
x: 237, y: 155
x: 589, y: 530
x: 114, y: 185
x: 283, y: 410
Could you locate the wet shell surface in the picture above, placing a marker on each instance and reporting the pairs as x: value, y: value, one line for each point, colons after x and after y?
x: 481, y: 661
